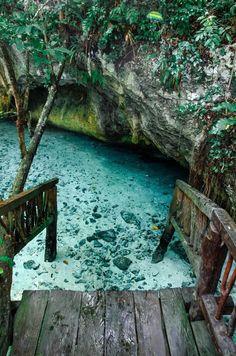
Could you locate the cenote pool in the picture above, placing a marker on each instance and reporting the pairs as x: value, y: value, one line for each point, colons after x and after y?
x: 112, y: 203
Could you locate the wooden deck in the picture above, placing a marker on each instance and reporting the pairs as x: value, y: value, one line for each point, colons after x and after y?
x: 123, y: 323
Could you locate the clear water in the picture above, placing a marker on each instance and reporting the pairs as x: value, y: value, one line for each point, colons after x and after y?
x: 101, y: 187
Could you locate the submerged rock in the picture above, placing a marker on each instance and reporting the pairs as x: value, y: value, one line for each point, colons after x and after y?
x: 122, y: 263
x: 130, y: 218
x: 97, y: 244
x: 106, y: 235
x: 31, y: 264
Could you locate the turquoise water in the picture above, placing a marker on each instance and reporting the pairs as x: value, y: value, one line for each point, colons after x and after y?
x: 112, y: 203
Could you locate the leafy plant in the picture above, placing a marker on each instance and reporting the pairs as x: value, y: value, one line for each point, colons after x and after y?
x: 228, y: 107
x: 211, y: 34
x: 222, y: 153
x: 7, y: 260
x: 177, y: 61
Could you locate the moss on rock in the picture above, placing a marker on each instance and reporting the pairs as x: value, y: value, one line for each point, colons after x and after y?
x: 72, y: 110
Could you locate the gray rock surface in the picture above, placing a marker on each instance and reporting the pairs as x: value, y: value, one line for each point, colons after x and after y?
x: 122, y: 262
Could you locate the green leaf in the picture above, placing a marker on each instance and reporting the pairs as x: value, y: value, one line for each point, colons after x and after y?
x: 19, y: 45
x: 155, y: 15
x: 1, y: 271
x: 225, y: 106
x: 222, y: 124
x: 7, y: 260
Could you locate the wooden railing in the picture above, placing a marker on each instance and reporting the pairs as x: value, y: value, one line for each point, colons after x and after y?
x: 23, y: 217
x: 213, y: 307
x: 208, y: 235
x: 189, y: 215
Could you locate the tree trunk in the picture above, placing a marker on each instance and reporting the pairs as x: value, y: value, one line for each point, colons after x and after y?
x: 20, y: 125
x: 6, y: 249
x: 26, y: 162
x: 18, y: 97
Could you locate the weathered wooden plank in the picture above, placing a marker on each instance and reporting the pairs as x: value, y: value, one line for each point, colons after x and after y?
x: 217, y: 327
x: 213, y: 257
x: 34, y: 233
x: 60, y: 324
x: 179, y: 333
x: 201, y: 225
x: 203, y: 339
x: 120, y: 333
x: 149, y: 324
x: 90, y: 339
x: 201, y: 201
x: 28, y: 321
x: 186, y: 217
x: 51, y: 235
x: 189, y: 295
x: 20, y: 199
x: 227, y: 228
x: 194, y: 258
x: 193, y: 224
x: 166, y: 237
x: 178, y: 213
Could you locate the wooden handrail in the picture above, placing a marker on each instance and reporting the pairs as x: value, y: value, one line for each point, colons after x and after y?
x: 17, y: 200
x: 203, y: 203
x: 22, y: 217
x: 208, y: 235
x: 25, y: 215
x: 227, y: 228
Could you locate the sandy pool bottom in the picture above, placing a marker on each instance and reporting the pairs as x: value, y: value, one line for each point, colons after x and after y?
x: 112, y: 205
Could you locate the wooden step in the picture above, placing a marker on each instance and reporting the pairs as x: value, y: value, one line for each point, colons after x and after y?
x: 111, y: 323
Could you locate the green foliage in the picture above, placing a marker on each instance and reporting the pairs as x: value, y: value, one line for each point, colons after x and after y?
x: 222, y: 124
x: 94, y: 77
x: 191, y: 29
x: 8, y: 260
x: 211, y: 34
x: 36, y: 30
x: 182, y: 16
x: 177, y: 61
x: 111, y: 25
x: 155, y: 15
x: 229, y: 107
x: 222, y: 152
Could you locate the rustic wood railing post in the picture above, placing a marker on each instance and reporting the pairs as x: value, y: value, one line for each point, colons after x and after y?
x: 51, y: 234
x: 213, y: 254
x: 166, y: 237
x: 6, y: 249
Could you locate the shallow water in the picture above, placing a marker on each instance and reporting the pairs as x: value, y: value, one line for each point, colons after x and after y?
x: 101, y: 188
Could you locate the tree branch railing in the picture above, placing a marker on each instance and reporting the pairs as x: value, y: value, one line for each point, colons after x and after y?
x: 189, y: 215
x: 208, y: 235
x: 22, y: 217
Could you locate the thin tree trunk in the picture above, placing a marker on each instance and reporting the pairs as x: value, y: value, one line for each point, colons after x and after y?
x: 26, y: 162
x: 6, y: 249
x: 19, y: 100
